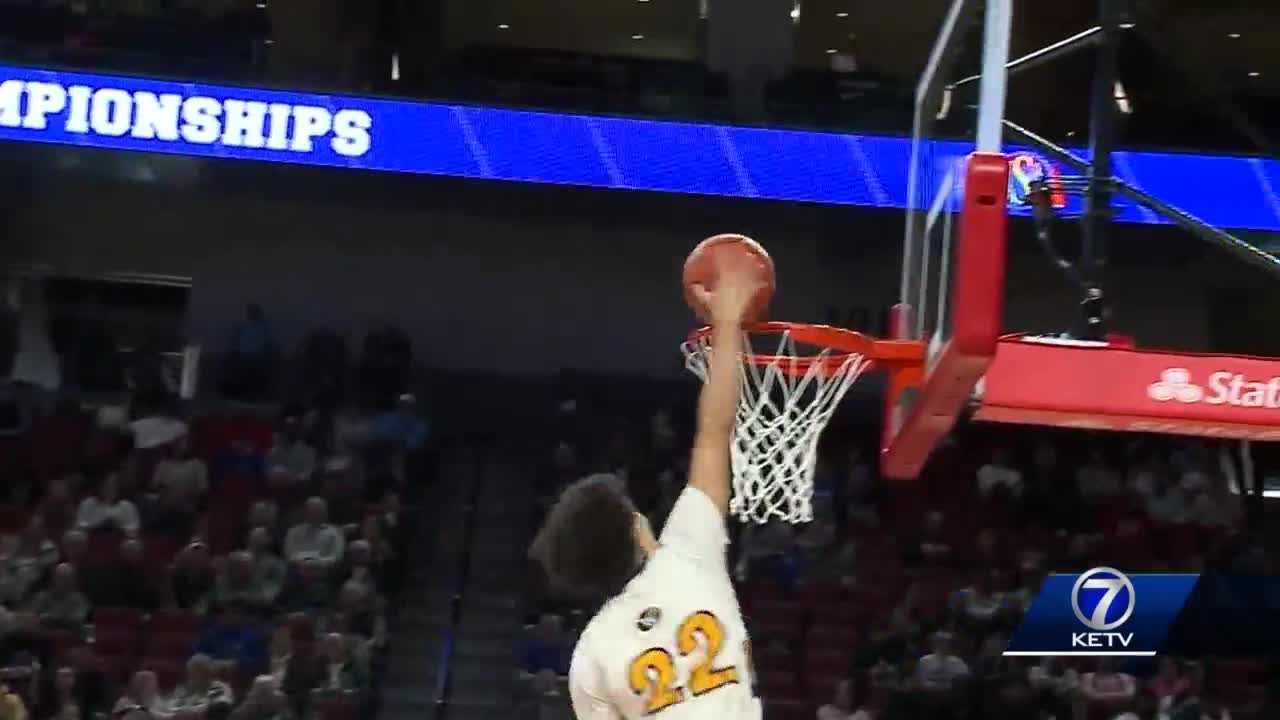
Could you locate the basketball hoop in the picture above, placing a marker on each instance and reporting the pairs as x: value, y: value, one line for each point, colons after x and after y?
x: 789, y: 393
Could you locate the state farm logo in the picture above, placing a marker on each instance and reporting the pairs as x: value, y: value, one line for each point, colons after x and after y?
x: 1175, y: 384
x: 1224, y: 388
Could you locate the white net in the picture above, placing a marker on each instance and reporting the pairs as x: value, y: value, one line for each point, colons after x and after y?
x: 784, y: 406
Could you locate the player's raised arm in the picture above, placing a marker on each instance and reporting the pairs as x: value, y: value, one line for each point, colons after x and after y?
x: 737, y: 280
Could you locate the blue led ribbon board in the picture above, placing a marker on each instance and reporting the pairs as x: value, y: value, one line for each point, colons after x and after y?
x: 143, y: 115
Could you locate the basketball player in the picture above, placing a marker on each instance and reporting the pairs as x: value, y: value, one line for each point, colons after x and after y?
x: 669, y: 639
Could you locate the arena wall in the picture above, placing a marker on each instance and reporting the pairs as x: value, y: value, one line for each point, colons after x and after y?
x: 593, y: 284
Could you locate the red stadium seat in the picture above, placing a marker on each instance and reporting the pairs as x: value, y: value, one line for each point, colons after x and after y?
x: 821, y: 594
x: 117, y: 641
x: 169, y: 671
x: 785, y: 630
x: 837, y: 635
x: 175, y: 622
x: 160, y: 550
x: 12, y: 518
x: 827, y: 660
x: 841, y: 612
x: 171, y: 644
x: 328, y: 706
x: 62, y: 642
x: 822, y: 688
x: 119, y: 617
x: 104, y: 548
x: 302, y: 631
x: 776, y: 683
x: 788, y: 709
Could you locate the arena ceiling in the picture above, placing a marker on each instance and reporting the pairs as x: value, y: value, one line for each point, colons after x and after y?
x: 1185, y: 56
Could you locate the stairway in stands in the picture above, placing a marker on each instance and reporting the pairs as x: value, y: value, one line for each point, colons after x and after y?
x: 421, y: 633
x: 482, y: 684
x: 453, y: 644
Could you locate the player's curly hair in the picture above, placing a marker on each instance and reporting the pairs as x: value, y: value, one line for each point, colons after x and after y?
x: 587, y: 545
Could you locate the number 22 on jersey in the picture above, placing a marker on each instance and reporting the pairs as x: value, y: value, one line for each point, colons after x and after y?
x: 654, y: 669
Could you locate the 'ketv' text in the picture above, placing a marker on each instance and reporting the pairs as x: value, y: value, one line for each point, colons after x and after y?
x: 195, y: 119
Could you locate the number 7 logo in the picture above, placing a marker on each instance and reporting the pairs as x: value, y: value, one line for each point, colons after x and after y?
x: 1113, y: 582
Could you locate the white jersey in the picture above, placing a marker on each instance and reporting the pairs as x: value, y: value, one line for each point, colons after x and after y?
x: 673, y: 642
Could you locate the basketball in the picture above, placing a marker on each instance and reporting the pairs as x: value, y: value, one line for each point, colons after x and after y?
x: 700, y: 269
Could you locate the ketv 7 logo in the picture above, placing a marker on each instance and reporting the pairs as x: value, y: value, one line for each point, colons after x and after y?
x: 1103, y: 600
x: 1101, y: 612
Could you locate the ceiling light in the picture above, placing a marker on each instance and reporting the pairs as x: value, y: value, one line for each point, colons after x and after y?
x: 831, y: 51
x: 504, y: 26
x: 637, y: 36
x: 842, y: 14
x: 795, y: 13
x: 1128, y: 25
x: 642, y: 1
x: 1122, y: 99
x: 1234, y: 36
x: 1255, y: 74
x: 1071, y: 133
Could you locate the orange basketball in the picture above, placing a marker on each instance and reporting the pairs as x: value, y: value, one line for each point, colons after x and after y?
x: 700, y: 268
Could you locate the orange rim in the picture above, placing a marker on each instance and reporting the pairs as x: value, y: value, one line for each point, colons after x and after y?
x: 895, y: 355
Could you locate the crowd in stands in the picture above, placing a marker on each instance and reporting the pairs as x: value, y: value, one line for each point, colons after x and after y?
x: 209, y: 563
x: 899, y: 599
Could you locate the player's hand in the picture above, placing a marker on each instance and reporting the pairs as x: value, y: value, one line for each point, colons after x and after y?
x: 737, y: 280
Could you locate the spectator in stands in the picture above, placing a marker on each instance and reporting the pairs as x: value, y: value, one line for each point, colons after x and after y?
x: 341, y: 672
x: 359, y: 568
x: 1168, y: 505
x: 1000, y: 475
x: 1168, y: 685
x: 547, y: 647
x: 308, y: 587
x: 58, y: 508
x: 107, y: 510
x: 841, y: 706
x: 940, y: 674
x: 359, y: 617
x: 265, y: 514
x: 11, y: 705
x: 192, y: 580
x: 269, y: 569
x: 1097, y: 480
x: 291, y: 462
x: 200, y: 691
x: 860, y: 490
x: 382, y: 556
x: 403, y: 428
x: 180, y: 482
x: 250, y: 360
x: 264, y: 701
x: 385, y: 362
x: 1215, y: 506
x: 127, y: 582
x: 314, y: 541
x: 1144, y: 475
x: 932, y: 547
x: 62, y: 606
x: 233, y: 587
x: 294, y: 674
x: 980, y: 603
x: 24, y: 565
x: 143, y: 694
x: 75, y: 546
x: 65, y: 704
x: 1054, y: 684
x: 765, y: 548
x: 233, y: 639
x: 1108, y: 688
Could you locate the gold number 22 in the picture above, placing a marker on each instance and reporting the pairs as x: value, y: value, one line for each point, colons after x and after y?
x: 703, y: 679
